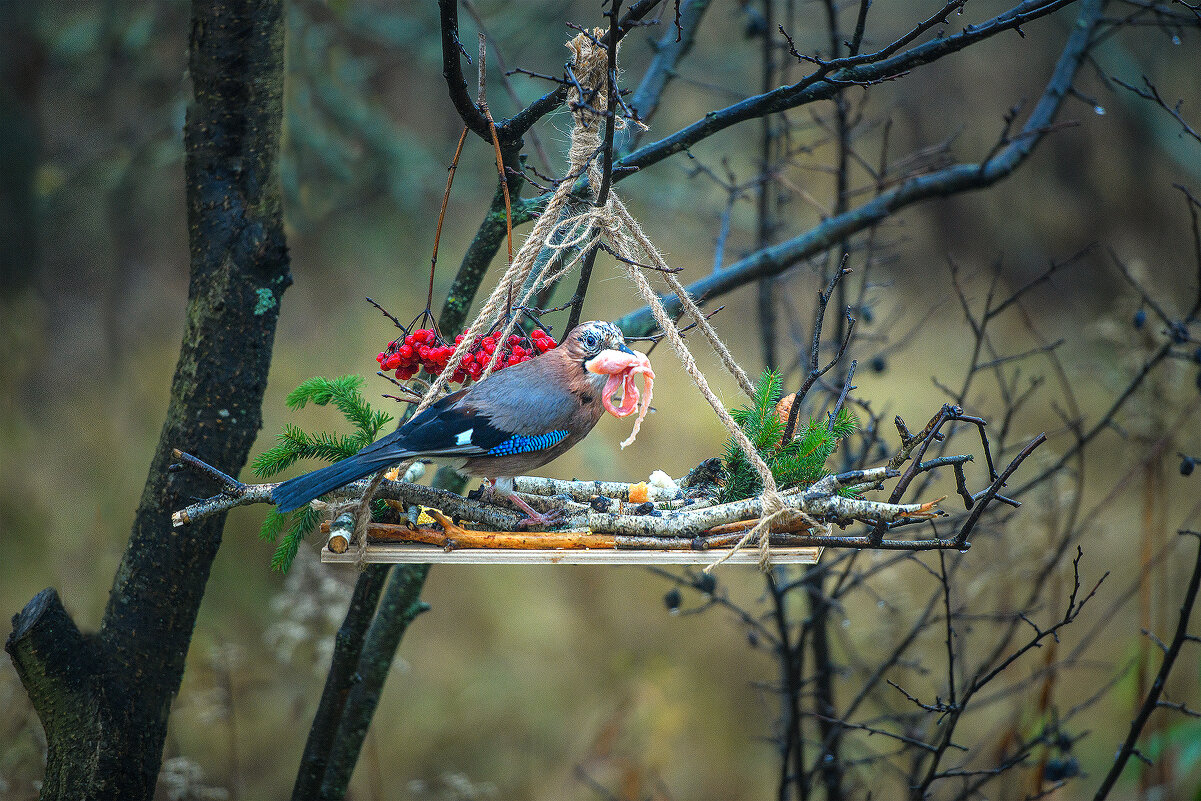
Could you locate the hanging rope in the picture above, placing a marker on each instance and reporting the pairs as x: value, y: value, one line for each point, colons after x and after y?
x: 613, y: 222
x: 565, y: 233
x: 632, y: 244
x: 589, y: 64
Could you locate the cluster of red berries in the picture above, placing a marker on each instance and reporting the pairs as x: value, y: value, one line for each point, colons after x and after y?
x: 424, y: 349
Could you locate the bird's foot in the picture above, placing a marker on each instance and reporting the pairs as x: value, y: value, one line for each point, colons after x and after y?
x: 551, y: 519
x: 503, y: 488
x: 533, y: 516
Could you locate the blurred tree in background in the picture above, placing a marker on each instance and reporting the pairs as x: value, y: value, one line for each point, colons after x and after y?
x: 786, y: 140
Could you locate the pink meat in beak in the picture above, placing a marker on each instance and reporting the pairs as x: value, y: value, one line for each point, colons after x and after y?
x: 621, y: 367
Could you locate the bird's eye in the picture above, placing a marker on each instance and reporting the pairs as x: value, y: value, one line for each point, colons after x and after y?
x: 590, y: 341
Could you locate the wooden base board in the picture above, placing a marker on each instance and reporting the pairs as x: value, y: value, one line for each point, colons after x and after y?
x: 430, y: 554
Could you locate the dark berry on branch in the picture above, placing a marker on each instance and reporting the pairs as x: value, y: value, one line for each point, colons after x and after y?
x: 672, y: 600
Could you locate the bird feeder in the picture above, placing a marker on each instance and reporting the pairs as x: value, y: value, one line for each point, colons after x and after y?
x: 607, y: 523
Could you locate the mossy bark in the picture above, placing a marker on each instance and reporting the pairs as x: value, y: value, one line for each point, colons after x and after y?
x: 400, y: 604
x: 342, y: 677
x: 104, y: 699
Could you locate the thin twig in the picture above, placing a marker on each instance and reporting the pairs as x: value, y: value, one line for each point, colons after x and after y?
x: 1151, y: 702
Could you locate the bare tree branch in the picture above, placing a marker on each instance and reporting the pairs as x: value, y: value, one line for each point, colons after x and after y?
x: 952, y: 180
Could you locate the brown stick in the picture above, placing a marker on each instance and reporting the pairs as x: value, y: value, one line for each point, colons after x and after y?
x: 453, y: 536
x: 450, y: 179
x: 500, y: 161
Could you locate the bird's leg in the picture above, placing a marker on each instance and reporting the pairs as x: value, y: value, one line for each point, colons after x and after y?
x: 504, y: 488
x: 533, y: 516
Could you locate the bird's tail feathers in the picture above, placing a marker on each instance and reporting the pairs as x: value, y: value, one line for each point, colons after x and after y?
x: 296, y: 492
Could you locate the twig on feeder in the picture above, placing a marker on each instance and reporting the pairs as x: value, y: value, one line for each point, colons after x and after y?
x: 341, y: 532
x: 545, y: 503
x: 924, y: 511
x: 582, y: 491
x: 453, y: 536
x: 235, y: 493
x: 998, y: 482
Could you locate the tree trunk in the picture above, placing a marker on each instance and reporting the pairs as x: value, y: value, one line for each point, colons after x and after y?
x: 104, y: 698
x: 21, y: 60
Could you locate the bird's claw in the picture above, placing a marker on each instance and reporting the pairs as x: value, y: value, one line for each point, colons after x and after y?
x: 552, y: 518
x: 533, y: 517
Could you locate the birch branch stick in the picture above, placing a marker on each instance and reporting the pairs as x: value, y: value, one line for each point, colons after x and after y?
x: 677, y: 526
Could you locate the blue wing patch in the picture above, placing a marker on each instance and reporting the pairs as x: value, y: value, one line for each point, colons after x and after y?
x: 522, y: 444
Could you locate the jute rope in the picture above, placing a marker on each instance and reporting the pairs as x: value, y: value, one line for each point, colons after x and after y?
x: 566, y: 233
x: 589, y: 64
x: 613, y: 222
x: 361, y: 510
x: 630, y: 241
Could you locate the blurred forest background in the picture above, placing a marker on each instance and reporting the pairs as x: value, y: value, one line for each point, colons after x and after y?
x: 570, y: 682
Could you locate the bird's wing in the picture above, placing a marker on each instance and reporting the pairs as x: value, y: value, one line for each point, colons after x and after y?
x: 506, y: 414
x: 524, y: 400
x: 451, y: 427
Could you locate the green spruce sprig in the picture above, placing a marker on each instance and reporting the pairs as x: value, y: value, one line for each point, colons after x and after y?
x: 295, y: 443
x: 797, y: 462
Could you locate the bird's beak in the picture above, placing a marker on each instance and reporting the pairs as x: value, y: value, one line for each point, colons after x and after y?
x: 613, y: 361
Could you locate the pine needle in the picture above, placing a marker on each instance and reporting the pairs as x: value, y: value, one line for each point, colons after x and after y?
x: 801, y: 461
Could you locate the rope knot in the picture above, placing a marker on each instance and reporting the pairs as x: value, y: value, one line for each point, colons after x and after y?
x: 772, y: 502
x: 773, y: 510
x: 589, y: 63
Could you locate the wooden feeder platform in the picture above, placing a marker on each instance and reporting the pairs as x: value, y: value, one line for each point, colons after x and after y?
x: 390, y: 543
x: 408, y: 553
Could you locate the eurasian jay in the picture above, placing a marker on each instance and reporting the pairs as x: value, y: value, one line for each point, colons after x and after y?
x: 515, y: 420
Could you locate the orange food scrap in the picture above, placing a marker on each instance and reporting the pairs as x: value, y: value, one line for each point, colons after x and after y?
x: 784, y: 408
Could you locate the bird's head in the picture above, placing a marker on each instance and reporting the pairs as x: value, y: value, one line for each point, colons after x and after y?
x: 609, y: 365
x: 598, y: 347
